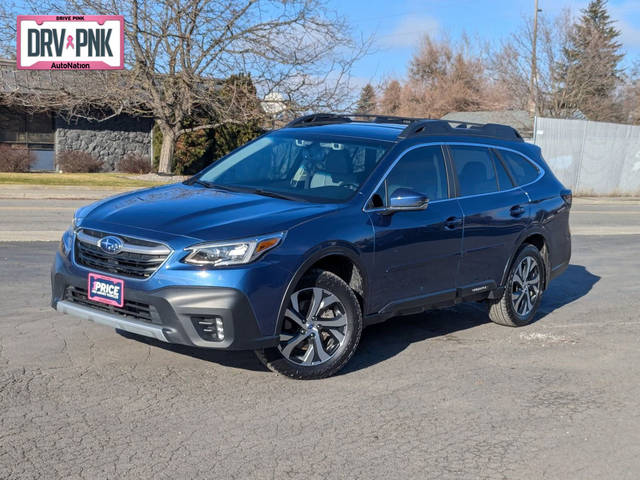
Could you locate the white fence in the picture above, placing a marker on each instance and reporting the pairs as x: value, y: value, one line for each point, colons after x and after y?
x: 591, y: 157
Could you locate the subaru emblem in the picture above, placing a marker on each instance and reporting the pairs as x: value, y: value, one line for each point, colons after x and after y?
x: 110, y: 244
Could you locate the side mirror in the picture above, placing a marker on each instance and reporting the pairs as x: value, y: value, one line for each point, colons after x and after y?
x: 407, y: 199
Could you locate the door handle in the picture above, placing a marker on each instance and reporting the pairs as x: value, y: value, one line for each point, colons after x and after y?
x: 516, y: 211
x: 452, y: 223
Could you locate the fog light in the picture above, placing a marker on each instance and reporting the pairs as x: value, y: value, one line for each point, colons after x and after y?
x: 210, y: 328
x: 220, y: 328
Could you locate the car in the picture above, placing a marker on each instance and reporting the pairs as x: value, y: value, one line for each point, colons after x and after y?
x: 293, y: 243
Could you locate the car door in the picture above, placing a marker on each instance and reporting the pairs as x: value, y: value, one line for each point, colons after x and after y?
x: 416, y: 252
x: 495, y: 213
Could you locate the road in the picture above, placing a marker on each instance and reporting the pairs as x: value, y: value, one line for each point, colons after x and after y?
x: 444, y: 394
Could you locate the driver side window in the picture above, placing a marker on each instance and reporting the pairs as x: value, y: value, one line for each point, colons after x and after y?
x: 422, y: 170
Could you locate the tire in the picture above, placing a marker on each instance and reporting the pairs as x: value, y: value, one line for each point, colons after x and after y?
x: 320, y: 330
x: 521, y: 298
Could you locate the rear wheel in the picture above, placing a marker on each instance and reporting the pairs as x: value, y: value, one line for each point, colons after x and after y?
x: 320, y: 330
x: 523, y: 292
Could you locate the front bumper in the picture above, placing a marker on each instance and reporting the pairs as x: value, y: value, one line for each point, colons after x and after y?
x: 114, y: 321
x: 174, y: 310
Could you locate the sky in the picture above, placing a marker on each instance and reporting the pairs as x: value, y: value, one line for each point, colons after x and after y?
x: 397, y: 26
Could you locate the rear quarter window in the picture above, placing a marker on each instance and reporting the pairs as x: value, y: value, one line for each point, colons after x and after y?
x: 522, y: 170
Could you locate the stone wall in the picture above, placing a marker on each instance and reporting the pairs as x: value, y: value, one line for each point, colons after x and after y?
x: 108, y: 141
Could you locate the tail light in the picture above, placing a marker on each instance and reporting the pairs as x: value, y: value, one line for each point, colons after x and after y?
x: 567, y: 196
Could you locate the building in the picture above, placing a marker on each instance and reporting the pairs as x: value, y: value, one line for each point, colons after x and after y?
x: 47, y: 132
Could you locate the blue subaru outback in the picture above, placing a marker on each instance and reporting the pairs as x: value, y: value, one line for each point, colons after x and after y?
x: 293, y: 243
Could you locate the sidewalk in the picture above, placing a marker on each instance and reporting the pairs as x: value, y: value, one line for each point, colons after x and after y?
x: 49, y: 192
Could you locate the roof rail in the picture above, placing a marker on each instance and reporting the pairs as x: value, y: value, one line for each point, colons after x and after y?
x: 415, y: 126
x: 329, y: 118
x: 444, y: 127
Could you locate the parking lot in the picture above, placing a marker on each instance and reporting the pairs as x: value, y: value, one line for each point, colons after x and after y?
x: 444, y: 394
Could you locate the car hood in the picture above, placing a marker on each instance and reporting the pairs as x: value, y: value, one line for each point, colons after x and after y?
x: 200, y: 213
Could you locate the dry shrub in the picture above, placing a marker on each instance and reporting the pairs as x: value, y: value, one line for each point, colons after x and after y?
x: 76, y: 161
x: 15, y: 159
x: 134, y: 163
x: 444, y: 76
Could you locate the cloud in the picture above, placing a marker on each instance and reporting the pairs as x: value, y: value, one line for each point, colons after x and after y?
x: 409, y: 30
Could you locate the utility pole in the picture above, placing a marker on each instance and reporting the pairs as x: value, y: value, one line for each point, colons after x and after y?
x: 533, y: 81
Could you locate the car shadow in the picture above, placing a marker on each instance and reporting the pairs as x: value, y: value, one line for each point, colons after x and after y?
x: 574, y: 283
x: 235, y: 359
x: 385, y: 340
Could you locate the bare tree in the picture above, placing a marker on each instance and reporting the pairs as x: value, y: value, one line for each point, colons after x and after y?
x: 445, y: 76
x: 391, y: 100
x: 629, y: 95
x: 510, y: 65
x: 178, y: 52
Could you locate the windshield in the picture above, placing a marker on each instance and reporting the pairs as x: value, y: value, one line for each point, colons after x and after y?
x: 301, y: 167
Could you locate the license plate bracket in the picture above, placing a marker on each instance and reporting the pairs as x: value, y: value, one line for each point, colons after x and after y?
x: 104, y: 289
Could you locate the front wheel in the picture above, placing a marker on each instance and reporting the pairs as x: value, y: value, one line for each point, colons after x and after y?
x: 320, y: 330
x: 523, y: 292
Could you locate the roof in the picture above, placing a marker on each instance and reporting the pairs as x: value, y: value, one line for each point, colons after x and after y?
x: 375, y: 131
x: 392, y: 128
x: 35, y: 81
x: 49, y: 89
x: 518, y: 119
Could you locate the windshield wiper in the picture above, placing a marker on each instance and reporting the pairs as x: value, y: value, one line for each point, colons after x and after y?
x: 201, y: 182
x: 243, y: 189
x: 268, y: 193
x: 212, y: 185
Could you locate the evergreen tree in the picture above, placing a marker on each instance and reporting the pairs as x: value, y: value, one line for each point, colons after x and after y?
x: 367, y: 101
x: 590, y: 69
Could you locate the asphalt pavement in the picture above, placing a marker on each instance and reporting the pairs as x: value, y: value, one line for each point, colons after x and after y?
x: 444, y: 394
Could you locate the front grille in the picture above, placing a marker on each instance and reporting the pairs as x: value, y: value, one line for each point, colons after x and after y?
x: 132, y: 310
x: 137, y: 259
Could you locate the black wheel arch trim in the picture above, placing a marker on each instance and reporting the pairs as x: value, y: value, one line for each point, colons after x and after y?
x: 535, y: 229
x: 313, y: 256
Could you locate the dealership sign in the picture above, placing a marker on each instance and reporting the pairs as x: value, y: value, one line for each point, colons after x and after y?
x: 79, y: 42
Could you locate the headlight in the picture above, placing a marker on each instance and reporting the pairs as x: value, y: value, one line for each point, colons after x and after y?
x: 79, y: 215
x: 65, y: 242
x: 75, y: 223
x: 232, y: 253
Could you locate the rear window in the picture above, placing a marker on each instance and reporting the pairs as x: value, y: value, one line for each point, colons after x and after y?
x: 522, y: 170
x: 474, y: 167
x: 504, y: 181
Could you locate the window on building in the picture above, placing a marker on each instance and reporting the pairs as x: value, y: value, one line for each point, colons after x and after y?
x: 34, y: 131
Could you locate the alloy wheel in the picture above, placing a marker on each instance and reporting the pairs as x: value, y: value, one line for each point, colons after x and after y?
x: 314, y: 327
x: 525, y: 285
